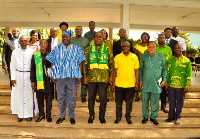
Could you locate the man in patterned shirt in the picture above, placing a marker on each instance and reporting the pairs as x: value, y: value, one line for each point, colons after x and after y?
x: 97, y: 73
x: 66, y: 60
x: 179, y: 79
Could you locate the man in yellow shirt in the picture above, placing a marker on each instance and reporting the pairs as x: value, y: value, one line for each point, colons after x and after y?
x: 126, y: 67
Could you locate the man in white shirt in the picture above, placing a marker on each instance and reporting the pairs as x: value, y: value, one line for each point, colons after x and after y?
x: 180, y: 40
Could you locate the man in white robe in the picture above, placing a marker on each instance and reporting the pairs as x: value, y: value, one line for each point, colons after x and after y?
x: 23, y: 98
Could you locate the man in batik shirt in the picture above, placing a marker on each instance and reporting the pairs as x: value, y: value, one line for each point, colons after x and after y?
x: 97, y: 73
x: 179, y: 79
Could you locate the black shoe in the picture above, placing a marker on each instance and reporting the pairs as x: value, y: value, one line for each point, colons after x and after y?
x: 49, y: 119
x: 169, y: 120
x: 97, y: 101
x: 83, y: 100
x: 155, y: 122
x: 29, y: 119
x: 40, y: 118
x: 129, y: 121
x: 144, y: 121
x: 72, y: 121
x: 117, y: 120
x: 60, y: 120
x: 137, y: 99
x: 102, y: 119
x: 19, y: 119
x: 91, y: 119
x: 165, y: 110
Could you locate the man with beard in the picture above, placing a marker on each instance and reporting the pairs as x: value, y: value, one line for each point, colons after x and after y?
x: 66, y: 60
x: 117, y: 48
x: 8, y: 47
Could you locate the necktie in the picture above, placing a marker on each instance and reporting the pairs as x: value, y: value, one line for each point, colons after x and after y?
x: 52, y: 46
x: 167, y: 42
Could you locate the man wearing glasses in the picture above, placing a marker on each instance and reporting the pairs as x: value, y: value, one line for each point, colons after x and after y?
x: 125, y: 84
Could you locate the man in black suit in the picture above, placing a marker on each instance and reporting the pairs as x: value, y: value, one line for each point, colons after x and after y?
x: 52, y: 42
x: 8, y: 47
x: 117, y: 49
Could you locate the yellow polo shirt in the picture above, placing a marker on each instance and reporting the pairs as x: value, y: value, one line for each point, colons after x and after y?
x: 125, y: 66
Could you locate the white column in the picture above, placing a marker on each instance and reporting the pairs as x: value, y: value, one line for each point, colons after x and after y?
x: 8, y: 30
x: 125, y: 17
x: 110, y: 33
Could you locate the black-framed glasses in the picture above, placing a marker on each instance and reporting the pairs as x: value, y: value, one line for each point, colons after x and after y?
x: 54, y: 31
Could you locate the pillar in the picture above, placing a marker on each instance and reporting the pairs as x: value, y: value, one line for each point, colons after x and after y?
x: 8, y: 30
x: 110, y: 33
x: 125, y: 17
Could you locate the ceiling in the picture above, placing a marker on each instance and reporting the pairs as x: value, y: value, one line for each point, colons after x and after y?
x: 145, y: 14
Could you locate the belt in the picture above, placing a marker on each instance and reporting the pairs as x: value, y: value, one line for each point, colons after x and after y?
x: 22, y: 71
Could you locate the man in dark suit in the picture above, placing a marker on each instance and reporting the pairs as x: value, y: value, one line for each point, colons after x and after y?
x: 117, y: 49
x: 52, y: 42
x: 8, y: 47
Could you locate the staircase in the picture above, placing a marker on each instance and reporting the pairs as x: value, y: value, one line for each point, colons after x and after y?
x: 189, y: 127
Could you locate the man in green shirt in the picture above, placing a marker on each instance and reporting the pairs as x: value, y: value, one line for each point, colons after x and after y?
x: 152, y: 71
x: 98, y: 71
x: 83, y: 43
x: 167, y: 52
x: 90, y: 34
x: 179, y: 79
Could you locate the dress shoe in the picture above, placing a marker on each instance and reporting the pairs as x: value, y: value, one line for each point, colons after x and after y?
x: 165, y: 110
x: 169, y: 120
x: 155, y: 122
x: 102, y: 119
x: 177, y: 121
x: 19, y: 119
x: 144, y: 121
x: 83, y: 100
x: 129, y: 121
x: 60, y: 120
x: 97, y: 101
x: 29, y: 119
x: 49, y: 119
x: 40, y: 118
x: 72, y: 121
x: 117, y: 120
x: 91, y: 119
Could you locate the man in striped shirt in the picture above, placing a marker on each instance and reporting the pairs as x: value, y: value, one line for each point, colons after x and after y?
x: 66, y: 60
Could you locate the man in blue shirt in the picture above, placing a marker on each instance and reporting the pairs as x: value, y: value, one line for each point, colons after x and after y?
x: 66, y: 60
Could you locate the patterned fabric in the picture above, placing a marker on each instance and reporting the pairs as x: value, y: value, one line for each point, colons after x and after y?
x: 68, y: 32
x: 166, y: 51
x: 179, y: 72
x: 140, y: 50
x: 98, y: 75
x: 81, y: 42
x: 66, y: 61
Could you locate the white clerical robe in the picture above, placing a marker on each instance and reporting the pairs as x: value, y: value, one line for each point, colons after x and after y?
x: 23, y: 98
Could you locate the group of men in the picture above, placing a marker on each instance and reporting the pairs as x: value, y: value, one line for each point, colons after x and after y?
x: 64, y: 63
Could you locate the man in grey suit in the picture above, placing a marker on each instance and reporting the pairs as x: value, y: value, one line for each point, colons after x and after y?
x: 52, y: 42
x: 8, y: 47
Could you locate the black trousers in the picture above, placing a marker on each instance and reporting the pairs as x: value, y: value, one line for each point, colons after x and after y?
x: 92, y: 91
x: 120, y: 94
x: 40, y: 99
x: 163, y: 95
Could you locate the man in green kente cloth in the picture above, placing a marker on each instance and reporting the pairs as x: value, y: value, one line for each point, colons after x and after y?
x: 83, y: 43
x: 152, y: 72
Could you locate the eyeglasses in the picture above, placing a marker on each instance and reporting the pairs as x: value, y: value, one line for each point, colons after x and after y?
x: 126, y: 45
x: 144, y: 37
x: 43, y: 43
